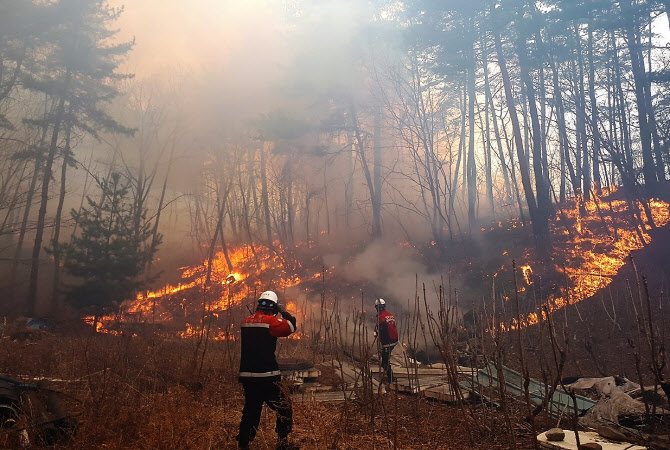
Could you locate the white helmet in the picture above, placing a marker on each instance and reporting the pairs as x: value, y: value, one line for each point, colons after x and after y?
x: 380, y: 303
x: 269, y: 301
x: 269, y: 295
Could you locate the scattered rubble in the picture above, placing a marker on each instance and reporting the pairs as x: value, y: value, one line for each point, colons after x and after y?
x: 620, y: 414
x: 431, y: 381
x: 587, y: 440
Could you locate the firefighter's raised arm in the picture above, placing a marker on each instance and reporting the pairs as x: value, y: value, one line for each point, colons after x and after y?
x: 284, y: 326
x: 288, y: 316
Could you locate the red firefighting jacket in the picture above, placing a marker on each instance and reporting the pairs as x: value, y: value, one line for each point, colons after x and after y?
x: 388, y: 332
x: 259, y: 335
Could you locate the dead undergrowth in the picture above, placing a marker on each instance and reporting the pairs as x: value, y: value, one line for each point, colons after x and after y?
x: 140, y: 393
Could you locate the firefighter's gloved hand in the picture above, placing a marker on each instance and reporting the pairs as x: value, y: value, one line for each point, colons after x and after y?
x: 374, y: 334
x: 284, y: 313
x: 287, y: 316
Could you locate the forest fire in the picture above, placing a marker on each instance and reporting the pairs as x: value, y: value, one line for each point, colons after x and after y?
x: 591, y: 244
x: 233, y: 278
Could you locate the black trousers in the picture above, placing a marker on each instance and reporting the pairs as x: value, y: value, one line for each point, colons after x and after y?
x: 386, y: 365
x: 255, y: 394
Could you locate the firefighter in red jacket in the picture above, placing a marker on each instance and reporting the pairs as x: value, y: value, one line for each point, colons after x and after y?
x: 387, y: 332
x: 259, y: 371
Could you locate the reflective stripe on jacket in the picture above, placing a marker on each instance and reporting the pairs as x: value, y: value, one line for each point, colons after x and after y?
x: 259, y: 342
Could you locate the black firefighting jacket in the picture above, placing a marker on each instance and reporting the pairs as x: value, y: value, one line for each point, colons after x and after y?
x: 259, y: 342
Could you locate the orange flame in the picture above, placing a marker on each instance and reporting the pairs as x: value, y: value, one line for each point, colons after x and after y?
x: 604, y: 239
x: 227, y: 287
x: 527, y: 273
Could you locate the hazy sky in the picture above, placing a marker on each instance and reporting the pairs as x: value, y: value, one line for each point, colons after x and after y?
x: 200, y: 33
x: 244, y: 57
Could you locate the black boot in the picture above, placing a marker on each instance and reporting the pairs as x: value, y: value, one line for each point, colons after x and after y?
x: 284, y: 444
x: 242, y: 444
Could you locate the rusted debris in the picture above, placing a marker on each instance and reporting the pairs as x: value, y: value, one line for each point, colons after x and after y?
x: 45, y: 423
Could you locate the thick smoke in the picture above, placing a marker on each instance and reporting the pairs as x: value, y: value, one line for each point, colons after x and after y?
x: 391, y: 269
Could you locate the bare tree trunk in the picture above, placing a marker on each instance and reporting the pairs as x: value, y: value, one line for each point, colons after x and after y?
x: 496, y: 129
x: 57, y: 221
x: 29, y: 201
x: 625, y: 130
x: 233, y: 224
x: 24, y: 223
x: 543, y: 126
x: 161, y: 200
x: 308, y: 198
x: 541, y: 219
x: 325, y: 196
x: 639, y: 77
x: 471, y: 165
x: 594, y: 116
x: 41, y: 218
x: 580, y: 100
x: 377, y: 173
x: 11, y: 208
x: 251, y: 167
x: 360, y: 148
x: 224, y: 247
x: 349, y: 180
x: 489, y: 106
x: 540, y: 224
x: 265, y: 196
x: 247, y: 224
x: 560, y: 121
x: 290, y: 209
x: 461, y: 150
x: 658, y: 151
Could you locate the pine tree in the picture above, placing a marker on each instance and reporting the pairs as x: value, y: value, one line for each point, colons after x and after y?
x: 108, y: 255
x: 79, y: 72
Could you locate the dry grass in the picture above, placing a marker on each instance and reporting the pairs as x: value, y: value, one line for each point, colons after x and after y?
x: 142, y: 393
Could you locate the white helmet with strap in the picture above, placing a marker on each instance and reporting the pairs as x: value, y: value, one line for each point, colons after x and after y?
x: 380, y: 303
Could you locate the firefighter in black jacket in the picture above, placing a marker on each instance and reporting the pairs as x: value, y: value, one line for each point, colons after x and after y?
x: 259, y: 371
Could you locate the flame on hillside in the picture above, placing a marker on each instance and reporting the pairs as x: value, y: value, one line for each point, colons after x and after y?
x: 250, y: 272
x: 592, y: 247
